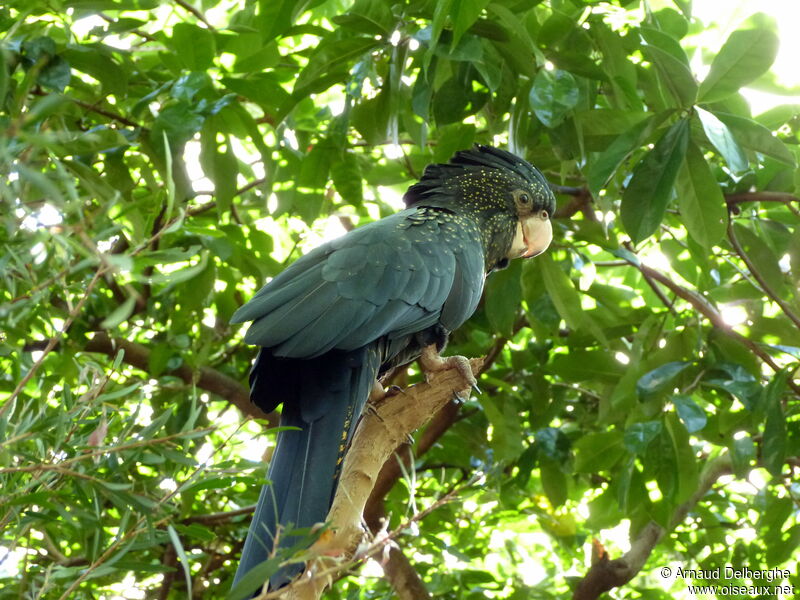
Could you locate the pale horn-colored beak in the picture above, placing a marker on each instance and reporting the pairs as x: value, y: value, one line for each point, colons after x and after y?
x: 533, y: 236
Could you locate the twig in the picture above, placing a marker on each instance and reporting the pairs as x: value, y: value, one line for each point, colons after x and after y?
x: 220, y: 517
x: 704, y: 307
x: 760, y: 278
x: 53, y: 341
x: 200, y: 16
x: 205, y: 378
x: 139, y: 527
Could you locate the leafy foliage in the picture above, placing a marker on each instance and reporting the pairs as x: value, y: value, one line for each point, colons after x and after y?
x: 159, y: 161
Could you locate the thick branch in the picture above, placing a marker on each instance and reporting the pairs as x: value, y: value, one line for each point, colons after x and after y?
x: 404, y: 579
x: 607, y: 574
x: 205, y: 378
x: 381, y: 430
x: 401, y: 574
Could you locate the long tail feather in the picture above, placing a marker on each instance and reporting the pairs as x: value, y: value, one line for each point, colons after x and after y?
x: 323, y: 398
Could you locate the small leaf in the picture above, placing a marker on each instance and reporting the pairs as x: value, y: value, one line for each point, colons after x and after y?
x: 648, y: 193
x: 553, y: 95
x: 746, y: 55
x: 674, y: 74
x: 660, y: 379
x: 743, y: 455
x: 347, y: 179
x: 639, y: 435
x: 254, y: 579
x: 774, y: 444
x: 554, y: 481
x: 55, y: 75
x: 193, y: 46
x: 187, y: 571
x: 463, y: 14
x: 119, y: 314
x: 722, y: 138
x: 368, y: 16
x: 693, y: 417
x: 503, y: 298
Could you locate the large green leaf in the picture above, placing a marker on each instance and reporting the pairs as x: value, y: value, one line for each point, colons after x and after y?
x: 755, y: 136
x: 700, y: 200
x: 193, y: 46
x: 463, y: 14
x: 553, y: 95
x: 746, y: 54
x: 674, y: 74
x: 603, y: 167
x: 723, y: 140
x: 503, y: 297
x: 651, y: 186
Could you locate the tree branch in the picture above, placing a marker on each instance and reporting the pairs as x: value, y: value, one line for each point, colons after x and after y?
x: 205, y: 378
x: 760, y: 278
x: 704, y: 307
x: 606, y: 574
x: 200, y: 16
x: 381, y: 430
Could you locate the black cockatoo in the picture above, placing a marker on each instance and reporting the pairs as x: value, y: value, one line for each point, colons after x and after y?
x: 354, y: 307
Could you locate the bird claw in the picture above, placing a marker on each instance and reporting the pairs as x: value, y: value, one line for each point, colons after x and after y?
x: 431, y: 362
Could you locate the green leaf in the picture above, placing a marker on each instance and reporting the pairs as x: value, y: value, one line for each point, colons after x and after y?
x: 276, y: 16
x: 120, y: 314
x: 181, y: 275
x: 700, y: 200
x: 553, y: 95
x: 254, y: 579
x: 450, y: 102
x: 639, y: 435
x: 347, y: 179
x: 598, y: 451
x: 603, y: 167
x: 674, y: 74
x: 55, y: 75
x: 660, y: 379
x: 761, y: 254
x: 187, y: 570
x: 563, y: 293
x: 743, y: 455
x: 179, y: 122
x: 648, y: 193
x: 687, y: 462
x: 373, y: 17
x: 507, y: 439
x: 723, y: 141
x: 332, y: 56
x: 503, y: 298
x: 755, y: 136
x: 463, y: 14
x: 746, y: 55
x: 554, y: 481
x: 775, y: 434
x: 193, y: 46
x: 693, y: 417
x: 587, y: 365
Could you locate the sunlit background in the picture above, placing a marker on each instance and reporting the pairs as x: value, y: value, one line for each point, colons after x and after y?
x: 720, y: 18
